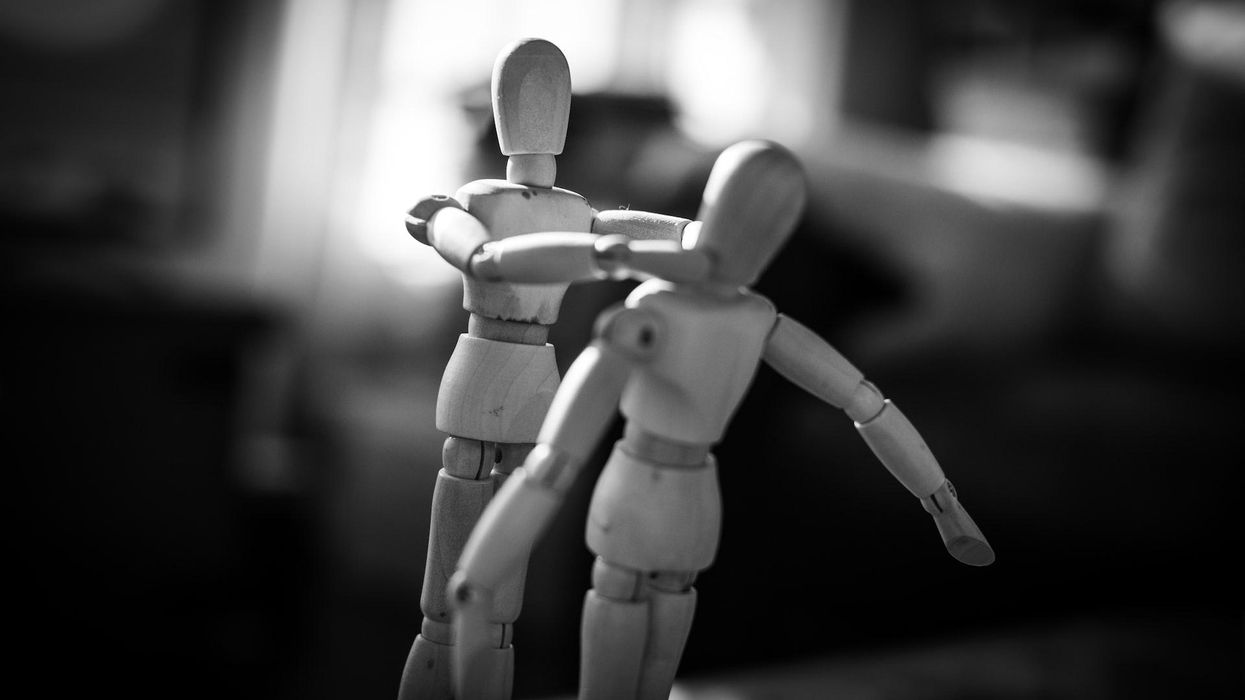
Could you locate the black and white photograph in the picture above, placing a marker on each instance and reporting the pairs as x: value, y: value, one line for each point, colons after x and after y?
x: 624, y: 349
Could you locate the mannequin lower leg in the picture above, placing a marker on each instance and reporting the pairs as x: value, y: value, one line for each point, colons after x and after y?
x: 634, y: 629
x: 672, y: 602
x: 465, y: 485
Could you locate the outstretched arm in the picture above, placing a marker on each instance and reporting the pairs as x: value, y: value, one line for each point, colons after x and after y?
x: 640, y: 225
x: 547, y: 257
x: 623, y: 243
x: 811, y: 363
x: 501, y: 541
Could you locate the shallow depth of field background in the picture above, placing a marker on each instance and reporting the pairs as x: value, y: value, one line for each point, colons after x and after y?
x: 1026, y: 224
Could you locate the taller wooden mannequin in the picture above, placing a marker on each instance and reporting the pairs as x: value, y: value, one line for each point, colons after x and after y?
x: 501, y: 378
x: 677, y: 360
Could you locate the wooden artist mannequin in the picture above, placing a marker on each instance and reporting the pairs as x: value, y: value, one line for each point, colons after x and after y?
x: 501, y: 378
x: 677, y: 359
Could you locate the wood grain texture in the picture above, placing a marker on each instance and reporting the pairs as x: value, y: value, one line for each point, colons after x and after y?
x: 540, y: 258
x: 532, y: 169
x: 496, y: 391
x: 900, y: 448
x: 753, y: 199
x: 655, y: 518
x: 507, y: 331
x: 456, y: 506
x: 582, y: 411
x: 666, y: 260
x: 531, y: 97
x: 639, y: 225
x: 706, y: 353
x: 507, y: 209
x: 525, y: 507
x: 456, y: 235
x: 428, y: 672
x: 809, y: 362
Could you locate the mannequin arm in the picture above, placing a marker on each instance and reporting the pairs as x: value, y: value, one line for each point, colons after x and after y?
x: 441, y: 222
x: 623, y: 244
x: 549, y: 257
x: 812, y: 364
x: 639, y: 225
x: 581, y: 411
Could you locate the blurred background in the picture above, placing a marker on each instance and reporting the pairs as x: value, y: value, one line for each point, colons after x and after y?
x: 1026, y: 225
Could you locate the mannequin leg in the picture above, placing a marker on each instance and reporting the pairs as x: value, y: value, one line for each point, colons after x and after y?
x: 634, y: 629
x: 465, y: 484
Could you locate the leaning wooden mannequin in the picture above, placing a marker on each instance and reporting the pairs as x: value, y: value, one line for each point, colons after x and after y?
x: 502, y: 377
x: 676, y: 359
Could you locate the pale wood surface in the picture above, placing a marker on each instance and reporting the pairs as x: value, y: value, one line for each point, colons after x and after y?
x: 580, y: 414
x: 653, y: 517
x: 540, y: 258
x: 456, y: 235
x: 708, y: 348
x: 524, y: 507
x: 753, y: 199
x: 493, y: 678
x: 507, y: 209
x: 899, y: 447
x: 552, y: 257
x: 456, y: 505
x: 671, y: 614
x: 490, y: 560
x: 502, y: 376
x: 666, y: 260
x: 531, y: 97
x: 428, y: 672
x: 812, y: 364
x: 639, y: 225
x: 960, y: 534
x: 507, y: 331
x: 417, y: 218
x: 532, y: 169
x: 611, y: 648
x: 653, y: 449
x: 495, y: 391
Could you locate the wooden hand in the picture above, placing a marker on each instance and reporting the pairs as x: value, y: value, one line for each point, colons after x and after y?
x: 959, y: 533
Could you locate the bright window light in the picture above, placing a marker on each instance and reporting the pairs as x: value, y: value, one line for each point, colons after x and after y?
x: 419, y: 141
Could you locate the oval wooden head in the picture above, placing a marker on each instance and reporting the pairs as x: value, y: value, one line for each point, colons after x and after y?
x: 531, y: 97
x: 753, y: 200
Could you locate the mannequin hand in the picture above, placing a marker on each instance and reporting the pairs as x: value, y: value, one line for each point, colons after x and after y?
x: 959, y: 533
